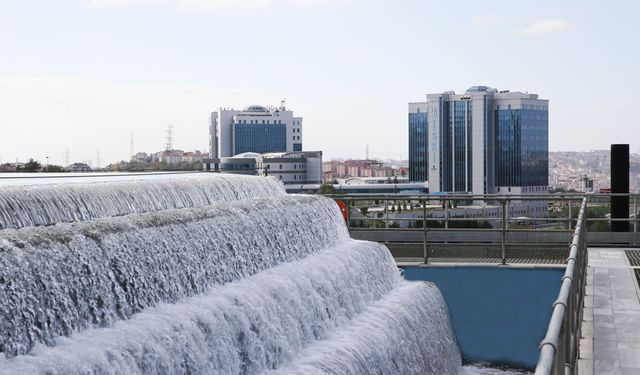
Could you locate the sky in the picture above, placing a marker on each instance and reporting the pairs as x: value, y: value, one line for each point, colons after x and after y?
x: 81, y: 75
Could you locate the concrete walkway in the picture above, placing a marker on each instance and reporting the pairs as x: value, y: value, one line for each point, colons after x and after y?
x: 611, y: 329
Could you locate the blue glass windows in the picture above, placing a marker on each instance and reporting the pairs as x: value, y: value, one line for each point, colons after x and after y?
x: 418, y: 153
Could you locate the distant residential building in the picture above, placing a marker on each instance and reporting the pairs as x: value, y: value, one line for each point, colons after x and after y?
x: 141, y: 157
x: 179, y: 156
x: 372, y: 180
x: 340, y: 169
x: 304, y: 167
x: 79, y: 167
x: 10, y: 167
x: 484, y: 141
x: 585, y: 185
x: 254, y: 129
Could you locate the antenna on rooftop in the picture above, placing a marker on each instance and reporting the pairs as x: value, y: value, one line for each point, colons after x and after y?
x: 367, y: 152
x: 282, y: 106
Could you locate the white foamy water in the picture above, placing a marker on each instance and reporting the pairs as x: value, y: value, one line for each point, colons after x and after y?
x: 255, y: 283
x: 31, y: 201
x: 58, y: 279
x: 249, y: 326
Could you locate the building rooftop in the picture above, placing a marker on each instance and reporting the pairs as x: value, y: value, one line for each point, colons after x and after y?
x: 246, y: 155
x: 255, y: 108
x: 479, y: 89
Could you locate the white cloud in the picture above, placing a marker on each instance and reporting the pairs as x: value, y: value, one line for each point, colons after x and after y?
x: 106, y: 4
x: 215, y: 4
x: 482, y: 20
x: 207, y: 4
x: 543, y: 27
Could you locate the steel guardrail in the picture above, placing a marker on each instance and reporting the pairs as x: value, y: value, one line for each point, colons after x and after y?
x: 560, y: 347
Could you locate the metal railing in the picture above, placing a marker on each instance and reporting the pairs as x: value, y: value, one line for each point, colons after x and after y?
x: 504, y: 221
x: 560, y: 347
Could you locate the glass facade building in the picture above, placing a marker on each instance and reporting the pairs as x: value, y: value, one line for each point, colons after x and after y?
x: 522, y: 146
x: 418, y: 154
x: 254, y: 129
x: 260, y: 138
x: 480, y: 141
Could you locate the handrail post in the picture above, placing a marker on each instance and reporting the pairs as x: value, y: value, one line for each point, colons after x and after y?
x: 386, y: 213
x: 569, y: 218
x: 503, y: 231
x: 446, y: 213
x: 425, y: 248
x: 635, y: 214
x: 349, y: 215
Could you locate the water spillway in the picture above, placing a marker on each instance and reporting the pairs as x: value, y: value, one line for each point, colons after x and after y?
x: 33, y: 202
x: 245, y: 286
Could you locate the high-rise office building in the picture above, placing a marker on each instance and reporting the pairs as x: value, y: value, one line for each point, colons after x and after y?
x: 484, y: 141
x: 254, y: 129
x: 418, y: 158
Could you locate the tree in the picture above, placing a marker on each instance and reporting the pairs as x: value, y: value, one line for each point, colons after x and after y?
x: 54, y: 168
x: 31, y: 166
x: 327, y: 188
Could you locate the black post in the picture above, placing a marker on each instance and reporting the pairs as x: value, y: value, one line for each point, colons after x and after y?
x: 620, y: 185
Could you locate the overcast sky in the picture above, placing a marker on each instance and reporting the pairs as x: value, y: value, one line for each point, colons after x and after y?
x: 81, y: 74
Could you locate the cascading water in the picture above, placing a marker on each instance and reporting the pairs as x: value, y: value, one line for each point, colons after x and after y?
x: 46, y: 204
x: 249, y: 286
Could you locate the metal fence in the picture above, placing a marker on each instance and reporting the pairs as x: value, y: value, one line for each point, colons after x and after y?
x: 560, y: 347
x: 506, y: 224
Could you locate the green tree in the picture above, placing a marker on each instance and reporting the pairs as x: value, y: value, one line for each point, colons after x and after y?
x: 54, y: 168
x: 327, y: 188
x: 31, y: 166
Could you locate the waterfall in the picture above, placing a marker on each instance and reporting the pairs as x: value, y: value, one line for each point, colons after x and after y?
x: 66, y: 277
x: 35, y: 203
x: 260, y: 283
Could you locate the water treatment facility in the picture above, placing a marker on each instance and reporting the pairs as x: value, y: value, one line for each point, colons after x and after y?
x: 222, y: 273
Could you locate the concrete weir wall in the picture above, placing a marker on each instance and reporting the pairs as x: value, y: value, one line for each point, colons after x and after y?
x: 499, y: 314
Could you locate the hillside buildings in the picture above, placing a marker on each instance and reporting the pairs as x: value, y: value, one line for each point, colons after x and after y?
x: 483, y: 141
x: 340, y: 169
x: 171, y: 157
x: 255, y: 129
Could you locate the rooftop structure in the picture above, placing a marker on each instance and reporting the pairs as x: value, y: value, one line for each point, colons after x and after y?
x: 304, y: 167
x: 254, y: 129
x: 483, y: 141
